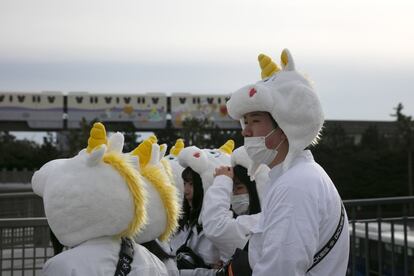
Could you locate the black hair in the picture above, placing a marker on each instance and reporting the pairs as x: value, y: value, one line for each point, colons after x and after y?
x: 190, y: 214
x: 57, y: 246
x: 240, y: 173
x: 274, y: 123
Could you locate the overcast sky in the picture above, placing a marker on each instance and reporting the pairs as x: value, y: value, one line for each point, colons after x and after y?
x: 360, y: 54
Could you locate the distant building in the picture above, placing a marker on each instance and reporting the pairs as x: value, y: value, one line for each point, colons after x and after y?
x: 356, y: 129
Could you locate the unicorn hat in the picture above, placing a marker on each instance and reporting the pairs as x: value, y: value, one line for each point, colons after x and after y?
x: 260, y: 175
x: 163, y: 207
x: 96, y: 193
x: 204, y: 161
x: 170, y: 162
x: 289, y: 98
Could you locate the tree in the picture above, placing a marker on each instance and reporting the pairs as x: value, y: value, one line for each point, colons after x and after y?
x: 23, y: 154
x: 202, y: 133
x: 47, y: 151
x: 405, y: 137
x: 76, y: 139
x: 130, y: 138
x: 371, y: 168
x: 334, y: 152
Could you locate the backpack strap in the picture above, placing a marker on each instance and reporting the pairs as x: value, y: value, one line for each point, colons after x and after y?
x: 126, y: 256
x: 331, y: 242
x: 190, y: 233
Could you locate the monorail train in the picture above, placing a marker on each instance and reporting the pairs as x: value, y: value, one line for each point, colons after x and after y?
x: 38, y: 110
x: 212, y: 107
x: 51, y: 110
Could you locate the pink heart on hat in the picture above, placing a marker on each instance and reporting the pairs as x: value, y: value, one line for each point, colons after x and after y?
x: 252, y: 92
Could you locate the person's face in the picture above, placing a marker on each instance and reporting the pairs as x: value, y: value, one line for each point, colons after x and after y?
x: 260, y: 124
x: 239, y: 188
x: 188, y: 190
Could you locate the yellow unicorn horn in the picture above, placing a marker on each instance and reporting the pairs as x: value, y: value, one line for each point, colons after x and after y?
x: 143, y: 151
x: 97, y: 137
x: 179, y: 145
x: 153, y: 139
x: 228, y: 147
x: 268, y: 66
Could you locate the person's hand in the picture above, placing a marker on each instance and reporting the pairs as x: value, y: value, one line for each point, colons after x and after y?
x: 224, y: 170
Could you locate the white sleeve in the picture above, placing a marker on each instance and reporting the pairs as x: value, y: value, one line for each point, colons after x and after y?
x: 219, y: 226
x: 288, y: 233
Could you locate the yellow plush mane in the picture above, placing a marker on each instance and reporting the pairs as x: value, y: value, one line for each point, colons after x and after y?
x: 133, y: 180
x: 128, y: 173
x: 167, y: 192
x: 168, y: 170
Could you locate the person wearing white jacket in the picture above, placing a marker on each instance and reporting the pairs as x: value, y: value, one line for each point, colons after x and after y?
x: 100, y: 257
x: 96, y: 203
x: 231, y: 208
x: 303, y: 229
x: 190, y: 230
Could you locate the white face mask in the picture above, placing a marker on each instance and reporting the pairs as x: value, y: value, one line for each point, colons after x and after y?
x: 240, y: 204
x: 257, y: 150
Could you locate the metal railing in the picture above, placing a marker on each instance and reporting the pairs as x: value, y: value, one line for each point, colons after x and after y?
x: 24, y: 246
x: 21, y: 205
x: 381, y: 236
x: 16, y: 176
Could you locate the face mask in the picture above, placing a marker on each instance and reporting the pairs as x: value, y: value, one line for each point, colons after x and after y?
x: 257, y: 150
x: 240, y: 204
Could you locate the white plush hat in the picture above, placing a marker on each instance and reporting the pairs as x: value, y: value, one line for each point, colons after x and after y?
x: 204, y: 161
x: 240, y: 157
x: 261, y: 174
x: 176, y: 168
x: 96, y: 193
x: 288, y: 97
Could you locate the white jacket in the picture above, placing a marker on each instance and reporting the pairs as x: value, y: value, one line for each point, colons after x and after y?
x: 169, y: 263
x: 198, y: 242
x: 100, y: 257
x: 226, y: 232
x: 300, y: 214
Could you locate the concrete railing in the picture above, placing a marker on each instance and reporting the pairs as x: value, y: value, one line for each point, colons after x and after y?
x: 15, y: 176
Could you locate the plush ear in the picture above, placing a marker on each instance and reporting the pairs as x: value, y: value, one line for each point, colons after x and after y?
x: 240, y: 157
x: 82, y: 151
x: 155, y: 154
x: 163, y: 150
x: 287, y: 61
x: 116, y: 142
x: 134, y: 161
x: 96, y: 155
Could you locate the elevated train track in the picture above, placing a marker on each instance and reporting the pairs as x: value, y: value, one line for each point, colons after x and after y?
x: 59, y: 111
x: 56, y: 111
